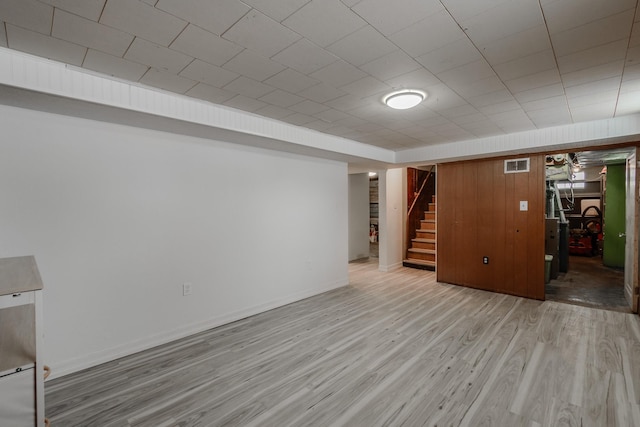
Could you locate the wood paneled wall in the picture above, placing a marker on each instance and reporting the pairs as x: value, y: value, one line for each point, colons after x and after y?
x: 479, y: 215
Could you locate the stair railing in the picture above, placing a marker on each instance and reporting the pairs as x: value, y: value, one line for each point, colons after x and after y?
x: 413, y: 217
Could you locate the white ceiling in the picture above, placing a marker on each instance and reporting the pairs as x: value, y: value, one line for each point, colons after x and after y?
x: 490, y: 67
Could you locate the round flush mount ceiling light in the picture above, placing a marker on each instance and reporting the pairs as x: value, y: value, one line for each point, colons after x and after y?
x: 404, y: 99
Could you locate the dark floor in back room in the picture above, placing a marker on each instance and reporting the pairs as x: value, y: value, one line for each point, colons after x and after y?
x: 589, y: 283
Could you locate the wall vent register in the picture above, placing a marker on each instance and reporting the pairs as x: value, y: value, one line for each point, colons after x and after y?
x: 516, y: 165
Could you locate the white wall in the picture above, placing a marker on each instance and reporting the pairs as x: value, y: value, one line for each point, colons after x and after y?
x: 391, y: 219
x: 358, y: 216
x: 119, y: 218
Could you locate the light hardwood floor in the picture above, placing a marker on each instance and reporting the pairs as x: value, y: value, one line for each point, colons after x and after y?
x: 391, y: 349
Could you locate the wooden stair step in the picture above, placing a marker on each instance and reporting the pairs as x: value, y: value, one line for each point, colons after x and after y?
x: 419, y: 263
x: 420, y: 243
x: 422, y: 251
x: 423, y: 254
x: 427, y: 224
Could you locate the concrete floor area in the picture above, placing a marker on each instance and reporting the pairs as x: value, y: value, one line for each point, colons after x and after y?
x: 590, y: 284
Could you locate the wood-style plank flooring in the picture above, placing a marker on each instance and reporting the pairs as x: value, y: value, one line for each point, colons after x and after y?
x: 391, y: 349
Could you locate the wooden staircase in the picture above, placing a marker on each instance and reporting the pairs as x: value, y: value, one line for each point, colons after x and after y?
x: 422, y: 253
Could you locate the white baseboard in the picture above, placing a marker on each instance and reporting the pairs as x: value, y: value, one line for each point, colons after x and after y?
x: 89, y: 360
x: 390, y: 267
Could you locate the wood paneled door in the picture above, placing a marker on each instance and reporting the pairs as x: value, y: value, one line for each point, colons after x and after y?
x: 488, y: 240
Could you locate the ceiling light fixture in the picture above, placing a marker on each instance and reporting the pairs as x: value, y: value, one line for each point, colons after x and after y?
x: 404, y: 99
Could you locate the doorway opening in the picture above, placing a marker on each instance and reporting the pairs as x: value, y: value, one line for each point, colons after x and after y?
x: 374, y: 213
x: 590, y: 210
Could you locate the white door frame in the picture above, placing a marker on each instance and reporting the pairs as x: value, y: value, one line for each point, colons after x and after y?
x: 631, y: 232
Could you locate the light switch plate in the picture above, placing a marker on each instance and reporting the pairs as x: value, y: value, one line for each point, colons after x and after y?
x: 524, y: 205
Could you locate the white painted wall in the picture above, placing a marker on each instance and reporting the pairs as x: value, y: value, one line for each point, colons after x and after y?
x: 391, y: 219
x: 358, y: 216
x: 119, y: 218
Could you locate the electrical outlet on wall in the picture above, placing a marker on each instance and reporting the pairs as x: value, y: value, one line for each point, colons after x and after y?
x: 485, y: 260
x: 187, y: 288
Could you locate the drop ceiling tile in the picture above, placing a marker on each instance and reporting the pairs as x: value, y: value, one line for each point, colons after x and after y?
x: 479, y: 87
x: 631, y: 72
x: 90, y: 9
x: 431, y: 33
x: 44, y: 46
x: 28, y: 14
x: 167, y: 81
x: 274, y: 112
x: 612, y: 69
x: 308, y: 107
x: 440, y: 97
x: 249, y: 88
x: 550, y: 117
x: 594, y: 98
x: 434, y: 121
x: 391, y: 17
x: 156, y: 56
x: 3, y: 35
x: 305, y: 57
x: 216, y: 16
x: 367, y: 86
x: 455, y: 112
x: 533, y: 81
x: 142, y: 20
x: 517, y: 126
x: 324, y: 22
x: 244, y: 103
x: 204, y: 45
x: 501, y: 107
x: 503, y: 21
x: 462, y: 10
x: 210, y: 74
x: 499, y: 96
x: 281, y: 98
x: 551, y: 103
x: 318, y: 125
x: 635, y: 35
x: 298, y: 119
x: 483, y: 129
x: 390, y: 65
x: 260, y: 33
x: 210, y: 93
x: 568, y: 14
x: 506, y: 117
x: 417, y: 79
x: 597, y: 33
x: 604, y: 85
x: 331, y: 115
x: 628, y: 103
x: 347, y: 102
x: 633, y: 54
x: 463, y: 75
x: 593, y: 111
x: 540, y: 93
x: 362, y: 46
x: 453, y: 55
x: 277, y: 9
x: 527, y: 65
x: 321, y: 93
x: 593, y: 57
x: 85, y: 32
x: 630, y: 86
x: 338, y: 74
x: 113, y: 66
x: 468, y: 119
x: 291, y: 81
x: 254, y: 66
x: 515, y: 46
